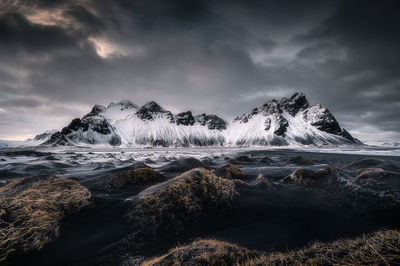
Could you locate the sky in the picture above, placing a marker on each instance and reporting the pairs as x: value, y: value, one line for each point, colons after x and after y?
x: 58, y: 58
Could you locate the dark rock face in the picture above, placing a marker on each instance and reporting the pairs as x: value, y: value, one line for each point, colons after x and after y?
x: 211, y: 121
x: 347, y: 135
x: 283, y: 125
x: 325, y: 121
x: 97, y: 124
x: 147, y: 111
x: 96, y: 110
x: 184, y: 118
x: 269, y: 108
x: 57, y: 139
x: 298, y: 102
x: 73, y: 126
x: 115, y: 140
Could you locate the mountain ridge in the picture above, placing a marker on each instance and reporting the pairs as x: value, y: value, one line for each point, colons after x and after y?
x: 288, y: 121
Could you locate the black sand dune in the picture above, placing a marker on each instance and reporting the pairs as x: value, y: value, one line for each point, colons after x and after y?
x: 268, y: 201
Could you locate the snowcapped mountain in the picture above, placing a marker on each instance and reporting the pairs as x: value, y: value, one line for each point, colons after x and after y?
x: 124, y: 123
x: 290, y: 121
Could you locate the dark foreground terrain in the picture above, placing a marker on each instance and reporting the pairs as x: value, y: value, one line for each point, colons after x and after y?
x: 242, y: 207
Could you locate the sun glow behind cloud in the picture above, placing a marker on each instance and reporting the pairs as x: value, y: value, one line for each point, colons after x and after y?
x: 103, y: 48
x: 46, y: 17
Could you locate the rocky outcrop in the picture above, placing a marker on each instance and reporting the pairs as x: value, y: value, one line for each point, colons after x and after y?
x: 185, y: 118
x: 151, y: 110
x: 211, y: 121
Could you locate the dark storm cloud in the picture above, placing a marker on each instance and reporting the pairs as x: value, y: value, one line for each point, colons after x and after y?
x: 16, y: 32
x: 215, y: 56
x: 364, y: 75
x: 88, y: 22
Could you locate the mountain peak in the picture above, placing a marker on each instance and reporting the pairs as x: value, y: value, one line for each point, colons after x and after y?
x: 298, y: 102
x: 124, y: 104
x: 270, y: 107
x: 147, y: 111
x: 152, y: 106
x: 96, y: 110
x: 185, y: 118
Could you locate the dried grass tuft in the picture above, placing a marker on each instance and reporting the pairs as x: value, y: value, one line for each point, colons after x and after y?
x: 140, y: 176
x: 204, y: 252
x: 167, y: 211
x: 379, y: 248
x: 31, y: 211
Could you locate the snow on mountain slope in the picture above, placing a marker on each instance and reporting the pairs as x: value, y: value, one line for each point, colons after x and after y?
x: 37, y: 140
x: 289, y: 121
x: 124, y: 123
x: 160, y: 131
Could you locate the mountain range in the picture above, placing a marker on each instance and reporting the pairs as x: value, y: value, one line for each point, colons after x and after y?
x: 288, y: 121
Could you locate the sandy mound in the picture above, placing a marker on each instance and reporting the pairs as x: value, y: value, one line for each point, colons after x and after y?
x: 241, y: 159
x: 363, y: 163
x: 182, y: 165
x: 31, y: 211
x: 140, y: 176
x: 164, y: 214
x: 299, y: 160
x: 205, y: 252
x: 305, y: 177
x: 230, y: 171
x: 380, y: 248
x: 267, y: 160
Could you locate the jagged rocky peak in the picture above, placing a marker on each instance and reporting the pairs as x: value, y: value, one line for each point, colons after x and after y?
x: 298, y: 102
x: 123, y: 105
x: 154, y: 107
x: 274, y: 120
x: 270, y: 107
x: 44, y: 135
x: 96, y: 110
x: 211, y: 121
x: 151, y: 110
x: 184, y: 118
x: 322, y: 119
x: 290, y: 120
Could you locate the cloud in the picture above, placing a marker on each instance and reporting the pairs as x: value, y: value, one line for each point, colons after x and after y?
x: 222, y: 57
x: 18, y: 33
